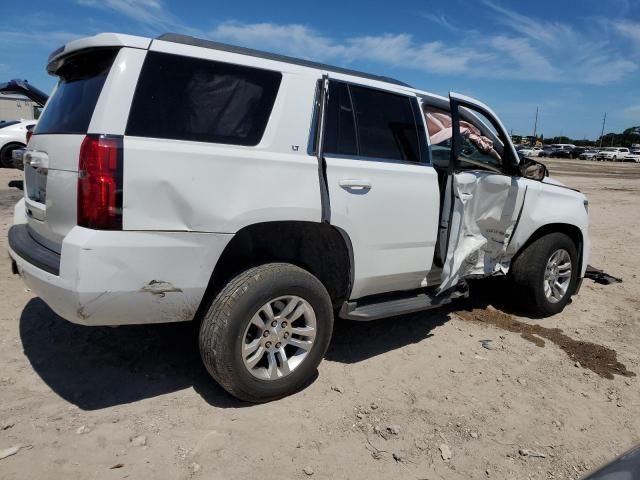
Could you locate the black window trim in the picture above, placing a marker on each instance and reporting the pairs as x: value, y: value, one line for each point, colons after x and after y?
x: 426, y: 162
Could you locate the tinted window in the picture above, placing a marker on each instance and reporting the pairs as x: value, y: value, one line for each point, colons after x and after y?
x: 340, y: 131
x: 386, y: 126
x: 8, y: 124
x: 70, y: 108
x: 185, y: 98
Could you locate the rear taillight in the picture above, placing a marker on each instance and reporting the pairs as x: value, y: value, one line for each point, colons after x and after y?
x: 100, y: 183
x: 29, y: 135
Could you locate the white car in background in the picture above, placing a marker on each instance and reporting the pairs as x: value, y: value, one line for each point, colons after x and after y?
x: 632, y: 157
x: 612, y: 153
x: 531, y: 151
x: 589, y: 154
x: 13, y: 136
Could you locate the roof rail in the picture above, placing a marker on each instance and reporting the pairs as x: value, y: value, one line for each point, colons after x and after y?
x: 197, y: 42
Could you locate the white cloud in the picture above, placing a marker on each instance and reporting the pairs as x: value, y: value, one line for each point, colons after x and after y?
x: 550, y: 52
x: 556, y: 51
x: 632, y: 112
x: 629, y: 29
x: 293, y: 39
x: 298, y: 40
x: 149, y: 12
x: 442, y: 21
x: 511, y: 46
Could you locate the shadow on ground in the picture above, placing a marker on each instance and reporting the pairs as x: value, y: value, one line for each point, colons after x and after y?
x: 99, y: 367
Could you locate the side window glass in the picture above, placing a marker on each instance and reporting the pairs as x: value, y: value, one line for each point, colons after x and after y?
x: 185, y: 98
x: 386, y: 126
x: 480, y: 143
x: 439, y: 128
x: 340, y: 131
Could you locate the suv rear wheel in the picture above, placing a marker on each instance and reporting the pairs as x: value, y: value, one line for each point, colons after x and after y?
x: 266, y: 332
x: 545, y: 274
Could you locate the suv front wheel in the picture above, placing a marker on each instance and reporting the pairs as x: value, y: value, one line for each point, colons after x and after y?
x: 266, y: 332
x: 544, y: 275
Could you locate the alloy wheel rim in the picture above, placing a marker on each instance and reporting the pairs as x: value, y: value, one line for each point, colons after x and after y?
x: 557, y: 276
x: 279, y: 337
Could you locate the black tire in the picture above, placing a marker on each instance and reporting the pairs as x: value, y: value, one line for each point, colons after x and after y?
x: 222, y: 330
x: 528, y: 270
x: 6, y: 158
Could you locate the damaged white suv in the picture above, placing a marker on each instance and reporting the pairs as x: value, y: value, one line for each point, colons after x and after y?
x: 176, y: 179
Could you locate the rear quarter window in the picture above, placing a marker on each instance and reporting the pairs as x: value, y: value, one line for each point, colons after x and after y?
x: 185, y: 98
x: 71, y: 107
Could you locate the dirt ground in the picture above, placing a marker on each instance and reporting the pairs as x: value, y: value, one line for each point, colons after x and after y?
x: 472, y: 392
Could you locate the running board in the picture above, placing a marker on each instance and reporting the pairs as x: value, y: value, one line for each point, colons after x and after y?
x: 400, y: 304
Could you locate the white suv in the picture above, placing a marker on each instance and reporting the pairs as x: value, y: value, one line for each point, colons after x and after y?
x: 176, y: 179
x: 612, y: 153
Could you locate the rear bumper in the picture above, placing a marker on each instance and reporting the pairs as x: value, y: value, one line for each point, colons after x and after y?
x: 118, y: 278
x: 24, y: 245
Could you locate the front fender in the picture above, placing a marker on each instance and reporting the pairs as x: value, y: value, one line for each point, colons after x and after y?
x: 547, y: 205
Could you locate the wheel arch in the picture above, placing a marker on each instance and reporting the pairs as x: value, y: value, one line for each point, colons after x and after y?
x: 572, y: 231
x: 10, y: 144
x: 319, y: 248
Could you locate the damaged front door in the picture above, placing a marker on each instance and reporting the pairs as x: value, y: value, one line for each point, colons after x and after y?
x: 483, y: 198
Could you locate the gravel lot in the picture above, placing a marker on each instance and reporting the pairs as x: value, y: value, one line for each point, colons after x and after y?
x: 471, y: 392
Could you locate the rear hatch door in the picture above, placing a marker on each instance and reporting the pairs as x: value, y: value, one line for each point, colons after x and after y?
x: 51, y: 159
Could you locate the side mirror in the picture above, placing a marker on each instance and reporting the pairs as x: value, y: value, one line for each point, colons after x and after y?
x: 533, y: 170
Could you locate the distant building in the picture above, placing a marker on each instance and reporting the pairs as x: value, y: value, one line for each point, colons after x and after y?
x: 16, y: 107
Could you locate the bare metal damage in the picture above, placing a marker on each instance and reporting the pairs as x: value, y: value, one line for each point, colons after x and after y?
x: 160, y: 288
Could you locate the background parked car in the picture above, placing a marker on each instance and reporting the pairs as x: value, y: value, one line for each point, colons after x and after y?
x: 530, y: 151
x: 589, y: 154
x: 613, y: 153
x: 18, y: 153
x: 546, y: 150
x: 632, y: 157
x: 560, y: 150
x: 577, y: 151
x: 13, y: 137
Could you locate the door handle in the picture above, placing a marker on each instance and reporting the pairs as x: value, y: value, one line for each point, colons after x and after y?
x: 355, y: 184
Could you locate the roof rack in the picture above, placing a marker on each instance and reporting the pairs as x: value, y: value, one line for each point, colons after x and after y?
x: 197, y: 42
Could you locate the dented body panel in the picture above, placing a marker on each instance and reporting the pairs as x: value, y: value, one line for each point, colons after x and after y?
x: 119, y: 278
x: 550, y: 203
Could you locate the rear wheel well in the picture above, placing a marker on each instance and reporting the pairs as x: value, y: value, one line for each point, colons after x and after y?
x: 571, y: 231
x: 319, y: 248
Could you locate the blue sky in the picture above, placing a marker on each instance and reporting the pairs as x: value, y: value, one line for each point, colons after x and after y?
x: 575, y: 60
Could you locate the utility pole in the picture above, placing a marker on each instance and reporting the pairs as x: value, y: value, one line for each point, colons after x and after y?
x: 535, y: 127
x: 604, y: 119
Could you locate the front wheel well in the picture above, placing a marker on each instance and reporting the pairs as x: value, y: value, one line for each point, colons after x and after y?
x: 318, y: 248
x: 573, y: 232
